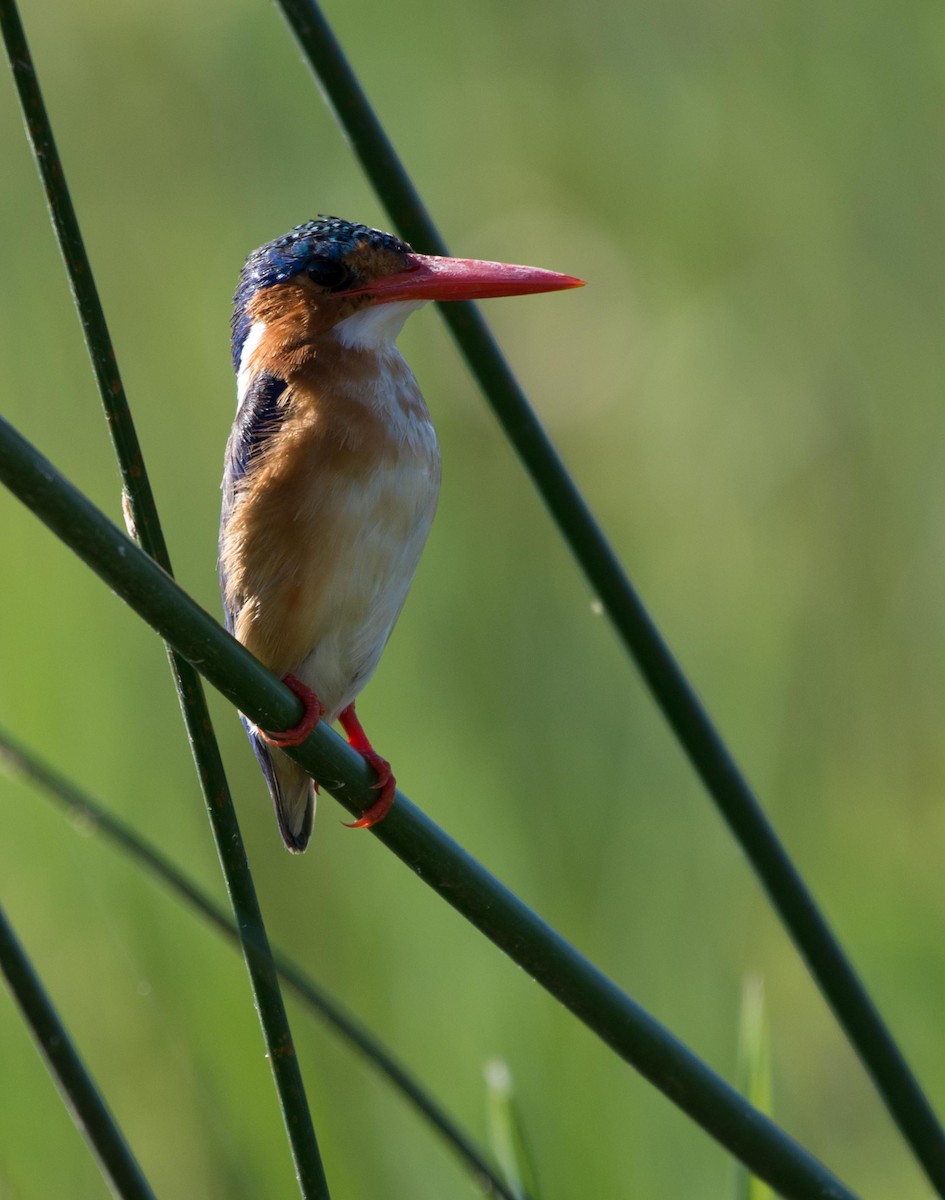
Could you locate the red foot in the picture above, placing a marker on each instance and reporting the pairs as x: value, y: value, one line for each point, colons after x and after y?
x: 386, y: 783
x: 313, y: 714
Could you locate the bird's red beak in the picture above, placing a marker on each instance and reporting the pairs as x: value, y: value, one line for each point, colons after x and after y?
x: 429, y: 277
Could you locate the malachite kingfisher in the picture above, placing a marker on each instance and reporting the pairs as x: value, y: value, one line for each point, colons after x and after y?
x: 332, y: 473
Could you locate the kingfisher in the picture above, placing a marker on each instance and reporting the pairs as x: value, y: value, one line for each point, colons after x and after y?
x: 332, y: 473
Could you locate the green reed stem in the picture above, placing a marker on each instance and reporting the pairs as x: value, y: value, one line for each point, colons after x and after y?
x: 81, y: 1096
x: 146, y: 524
x: 835, y: 975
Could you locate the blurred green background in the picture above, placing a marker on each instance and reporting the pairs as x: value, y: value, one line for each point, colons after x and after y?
x: 750, y: 395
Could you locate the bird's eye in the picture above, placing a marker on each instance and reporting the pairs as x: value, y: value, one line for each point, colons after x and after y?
x: 327, y: 273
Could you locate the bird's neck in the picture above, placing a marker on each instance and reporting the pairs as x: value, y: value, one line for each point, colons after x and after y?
x: 349, y: 381
x: 341, y: 376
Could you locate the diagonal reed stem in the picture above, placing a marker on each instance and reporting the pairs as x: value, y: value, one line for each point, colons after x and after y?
x: 825, y: 958
x: 621, y: 1023
x: 81, y: 1097
x: 142, y: 511
x: 16, y: 759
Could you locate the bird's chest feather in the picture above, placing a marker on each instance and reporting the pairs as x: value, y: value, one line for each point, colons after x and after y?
x: 330, y: 521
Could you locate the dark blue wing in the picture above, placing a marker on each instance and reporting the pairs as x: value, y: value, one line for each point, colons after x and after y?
x: 257, y: 419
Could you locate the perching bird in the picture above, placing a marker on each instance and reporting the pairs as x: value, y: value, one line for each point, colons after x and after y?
x: 332, y: 472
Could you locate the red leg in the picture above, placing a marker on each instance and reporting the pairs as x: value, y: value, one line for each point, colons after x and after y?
x: 313, y: 714
x: 386, y: 783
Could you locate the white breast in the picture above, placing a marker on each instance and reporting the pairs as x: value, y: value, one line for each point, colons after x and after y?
x: 385, y: 516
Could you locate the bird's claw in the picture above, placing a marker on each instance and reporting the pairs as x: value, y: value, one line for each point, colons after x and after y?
x: 313, y: 714
x: 386, y: 784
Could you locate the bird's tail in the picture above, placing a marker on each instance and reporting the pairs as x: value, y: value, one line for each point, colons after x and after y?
x: 292, y: 790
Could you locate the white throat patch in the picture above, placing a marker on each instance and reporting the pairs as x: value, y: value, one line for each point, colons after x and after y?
x: 376, y: 327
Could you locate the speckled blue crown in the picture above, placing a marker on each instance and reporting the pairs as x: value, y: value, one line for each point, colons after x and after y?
x: 328, y: 237
x: 279, y: 260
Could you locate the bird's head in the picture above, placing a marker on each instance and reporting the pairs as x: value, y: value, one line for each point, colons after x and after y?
x: 362, y: 283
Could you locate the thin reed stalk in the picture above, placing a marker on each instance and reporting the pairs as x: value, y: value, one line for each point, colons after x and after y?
x: 81, y: 1096
x: 146, y: 525
x: 703, y: 745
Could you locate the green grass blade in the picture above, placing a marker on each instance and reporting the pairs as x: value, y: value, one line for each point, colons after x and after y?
x: 143, y: 517
x: 413, y: 837
x: 19, y: 761
x: 82, y: 1098
x: 825, y: 958
x: 507, y: 1132
x: 754, y: 1072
